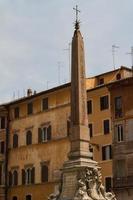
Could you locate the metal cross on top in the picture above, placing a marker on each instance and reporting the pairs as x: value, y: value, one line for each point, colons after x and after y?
x: 77, y: 21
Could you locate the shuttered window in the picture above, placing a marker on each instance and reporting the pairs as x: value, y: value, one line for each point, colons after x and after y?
x: 118, y: 107
x: 10, y: 178
x: 44, y: 173
x: 106, y: 152
x: 90, y: 130
x: 15, y: 177
x: 15, y: 141
x: 89, y: 107
x: 45, y: 104
x: 104, y: 102
x: 44, y: 134
x: 106, y: 126
x: 23, y: 177
x: 30, y: 108
x: 16, y: 112
x: 28, y: 137
x: 2, y: 147
x: 2, y: 123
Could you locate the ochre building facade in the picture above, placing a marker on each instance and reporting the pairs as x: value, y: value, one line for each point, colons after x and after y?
x: 37, y: 134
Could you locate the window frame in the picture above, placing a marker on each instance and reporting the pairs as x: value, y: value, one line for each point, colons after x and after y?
x: 30, y: 109
x: 104, y: 107
x: 104, y: 128
x: 105, y: 156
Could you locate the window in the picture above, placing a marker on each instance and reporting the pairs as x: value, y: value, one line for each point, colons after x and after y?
x: 89, y: 107
x: 15, y: 141
x: 118, y: 107
x: 45, y: 104
x: 90, y: 130
x: 119, y: 133
x: 44, y: 134
x: 120, y: 168
x: 30, y: 108
x: 118, y: 76
x: 16, y: 112
x: 28, y: 137
x: 106, y: 126
x: 2, y: 147
x: 28, y: 197
x: 14, y: 198
x: 101, y: 81
x: 108, y: 184
x: 106, y: 152
x: 2, y: 123
x: 15, y: 177
x: 10, y: 178
x: 28, y: 175
x: 44, y: 173
x: 104, y: 102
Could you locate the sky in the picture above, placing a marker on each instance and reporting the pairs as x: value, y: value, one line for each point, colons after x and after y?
x: 35, y: 37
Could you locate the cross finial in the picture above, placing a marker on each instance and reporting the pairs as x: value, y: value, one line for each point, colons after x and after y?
x: 77, y: 20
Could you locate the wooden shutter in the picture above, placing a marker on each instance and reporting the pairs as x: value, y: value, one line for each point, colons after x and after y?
x: 10, y: 178
x: 39, y: 135
x: 15, y: 174
x: 23, y: 177
x: 2, y: 150
x: 44, y: 173
x: 15, y: 141
x: 33, y: 175
x: 110, y: 151
x: 49, y: 133
x: 3, y: 122
x: 103, y: 153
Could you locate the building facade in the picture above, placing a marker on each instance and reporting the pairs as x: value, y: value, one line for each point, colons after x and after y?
x: 38, y: 136
x: 121, y: 94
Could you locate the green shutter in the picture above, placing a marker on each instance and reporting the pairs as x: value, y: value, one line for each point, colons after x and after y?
x: 23, y: 177
x: 39, y: 135
x: 33, y: 175
x: 49, y: 133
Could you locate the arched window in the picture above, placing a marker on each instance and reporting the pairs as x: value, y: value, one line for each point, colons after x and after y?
x: 44, y: 173
x: 14, y: 198
x: 15, y: 140
x: 30, y: 175
x: 28, y: 138
x: 28, y: 197
x: 15, y: 177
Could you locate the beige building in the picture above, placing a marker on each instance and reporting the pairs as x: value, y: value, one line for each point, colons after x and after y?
x: 122, y: 120
x: 39, y: 128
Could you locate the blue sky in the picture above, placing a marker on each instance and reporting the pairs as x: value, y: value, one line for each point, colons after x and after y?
x: 34, y: 34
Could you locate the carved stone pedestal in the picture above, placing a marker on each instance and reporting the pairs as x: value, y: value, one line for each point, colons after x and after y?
x: 81, y: 180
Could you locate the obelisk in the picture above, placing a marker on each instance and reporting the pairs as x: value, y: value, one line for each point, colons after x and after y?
x: 81, y: 176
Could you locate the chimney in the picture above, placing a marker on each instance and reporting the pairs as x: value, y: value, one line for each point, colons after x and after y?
x: 29, y: 92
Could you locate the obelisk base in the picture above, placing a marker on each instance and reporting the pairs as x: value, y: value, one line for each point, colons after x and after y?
x: 81, y: 180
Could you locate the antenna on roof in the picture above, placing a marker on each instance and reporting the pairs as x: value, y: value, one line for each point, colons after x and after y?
x: 131, y: 53
x: 114, y: 47
x: 13, y: 96
x: 69, y: 58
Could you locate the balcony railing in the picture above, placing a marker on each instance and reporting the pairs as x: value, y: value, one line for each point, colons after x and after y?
x: 121, y: 182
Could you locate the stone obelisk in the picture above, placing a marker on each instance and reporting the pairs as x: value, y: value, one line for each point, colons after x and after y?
x: 81, y: 177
